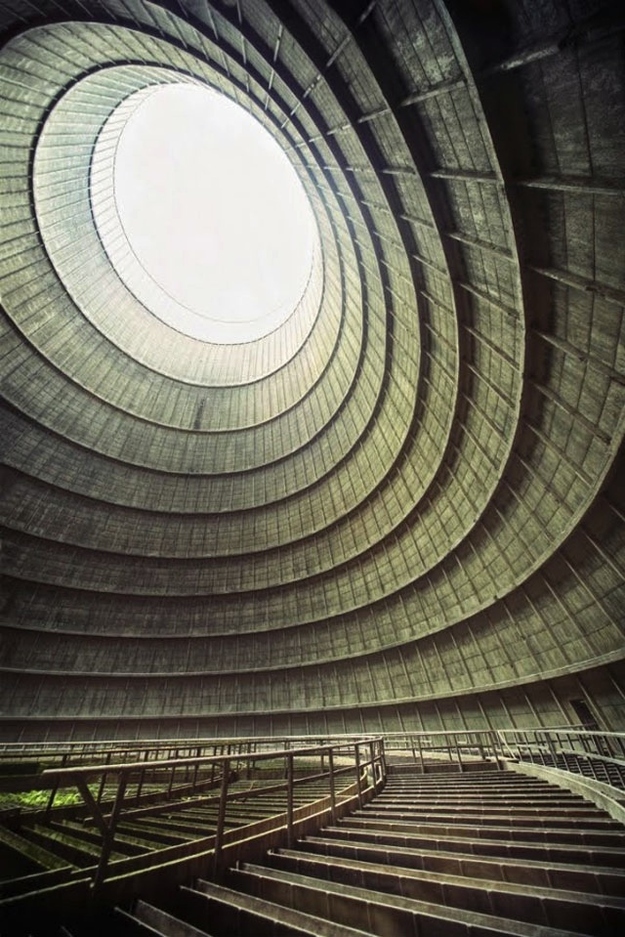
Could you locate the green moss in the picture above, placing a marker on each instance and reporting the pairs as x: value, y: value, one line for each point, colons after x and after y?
x: 36, y: 799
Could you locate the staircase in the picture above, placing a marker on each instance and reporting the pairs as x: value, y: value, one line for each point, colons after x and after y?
x: 434, y: 855
x: 40, y: 851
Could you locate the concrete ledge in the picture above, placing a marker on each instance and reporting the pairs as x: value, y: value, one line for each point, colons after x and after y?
x: 602, y: 795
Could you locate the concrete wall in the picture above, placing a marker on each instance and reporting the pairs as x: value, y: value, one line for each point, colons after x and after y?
x: 404, y: 508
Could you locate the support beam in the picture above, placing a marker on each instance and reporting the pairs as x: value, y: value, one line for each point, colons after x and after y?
x: 582, y: 356
x: 502, y: 252
x: 580, y: 184
x: 434, y: 91
x: 579, y: 417
x: 585, y: 285
x: 466, y: 175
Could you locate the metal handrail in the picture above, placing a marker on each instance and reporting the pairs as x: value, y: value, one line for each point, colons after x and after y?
x: 10, y: 749
x: 153, y: 748
x: 595, y: 754
x: 365, y: 756
x: 454, y: 743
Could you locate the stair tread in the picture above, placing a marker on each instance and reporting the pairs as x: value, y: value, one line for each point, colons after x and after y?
x: 303, y: 922
x: 616, y: 838
x: 486, y: 922
x: 539, y: 817
x: 126, y: 845
x: 44, y: 858
x: 87, y: 850
x: 141, y: 928
x: 151, y: 916
x: 465, y: 797
x: 36, y: 881
x: 469, y: 857
x: 72, y: 888
x: 485, y: 854
x: 501, y: 844
x: 460, y: 880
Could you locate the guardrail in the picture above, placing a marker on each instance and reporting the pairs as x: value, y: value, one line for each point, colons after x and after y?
x: 458, y: 747
x: 117, y: 751
x: 598, y: 755
x: 361, y: 760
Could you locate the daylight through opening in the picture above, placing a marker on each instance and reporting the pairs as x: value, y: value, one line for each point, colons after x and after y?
x: 218, y: 233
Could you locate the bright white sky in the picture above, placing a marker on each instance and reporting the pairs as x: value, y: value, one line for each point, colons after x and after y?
x: 213, y: 209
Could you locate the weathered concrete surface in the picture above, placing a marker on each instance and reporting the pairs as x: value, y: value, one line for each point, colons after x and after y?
x: 403, y: 511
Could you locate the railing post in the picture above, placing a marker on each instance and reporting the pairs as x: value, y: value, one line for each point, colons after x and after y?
x: 458, y: 753
x: 495, y: 742
x: 103, y: 781
x: 221, y: 818
x: 289, y: 800
x: 198, y: 753
x: 109, y: 836
x: 139, y: 785
x: 332, y: 786
x: 55, y: 787
x: 376, y: 765
x: 552, y: 749
x: 358, y: 784
x: 171, y: 782
x: 420, y: 747
x: 383, y: 757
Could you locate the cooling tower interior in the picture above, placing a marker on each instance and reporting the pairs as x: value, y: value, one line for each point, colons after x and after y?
x: 403, y: 507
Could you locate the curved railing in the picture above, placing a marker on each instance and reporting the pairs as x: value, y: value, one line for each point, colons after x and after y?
x: 340, y: 775
x: 117, y: 780
x: 596, y: 755
x: 600, y: 755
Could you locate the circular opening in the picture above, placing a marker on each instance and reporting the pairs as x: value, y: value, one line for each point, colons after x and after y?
x: 218, y: 233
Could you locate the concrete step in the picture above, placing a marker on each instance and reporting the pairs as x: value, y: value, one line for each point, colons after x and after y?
x: 498, y: 808
x: 539, y: 797
x: 146, y: 920
x: 576, y: 877
x: 242, y: 812
x: 126, y: 845
x: 462, y: 818
x: 156, y: 826
x: 453, y: 779
x: 228, y: 912
x: 501, y: 780
x: 535, y: 904
x: 375, y: 912
x: 543, y: 852
x: 541, y: 791
x: 160, y: 836
x: 185, y: 828
x: 27, y: 914
x: 68, y: 847
x: 556, y: 795
x: 22, y: 857
x: 480, y: 854
x: 479, y: 829
x: 36, y: 881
